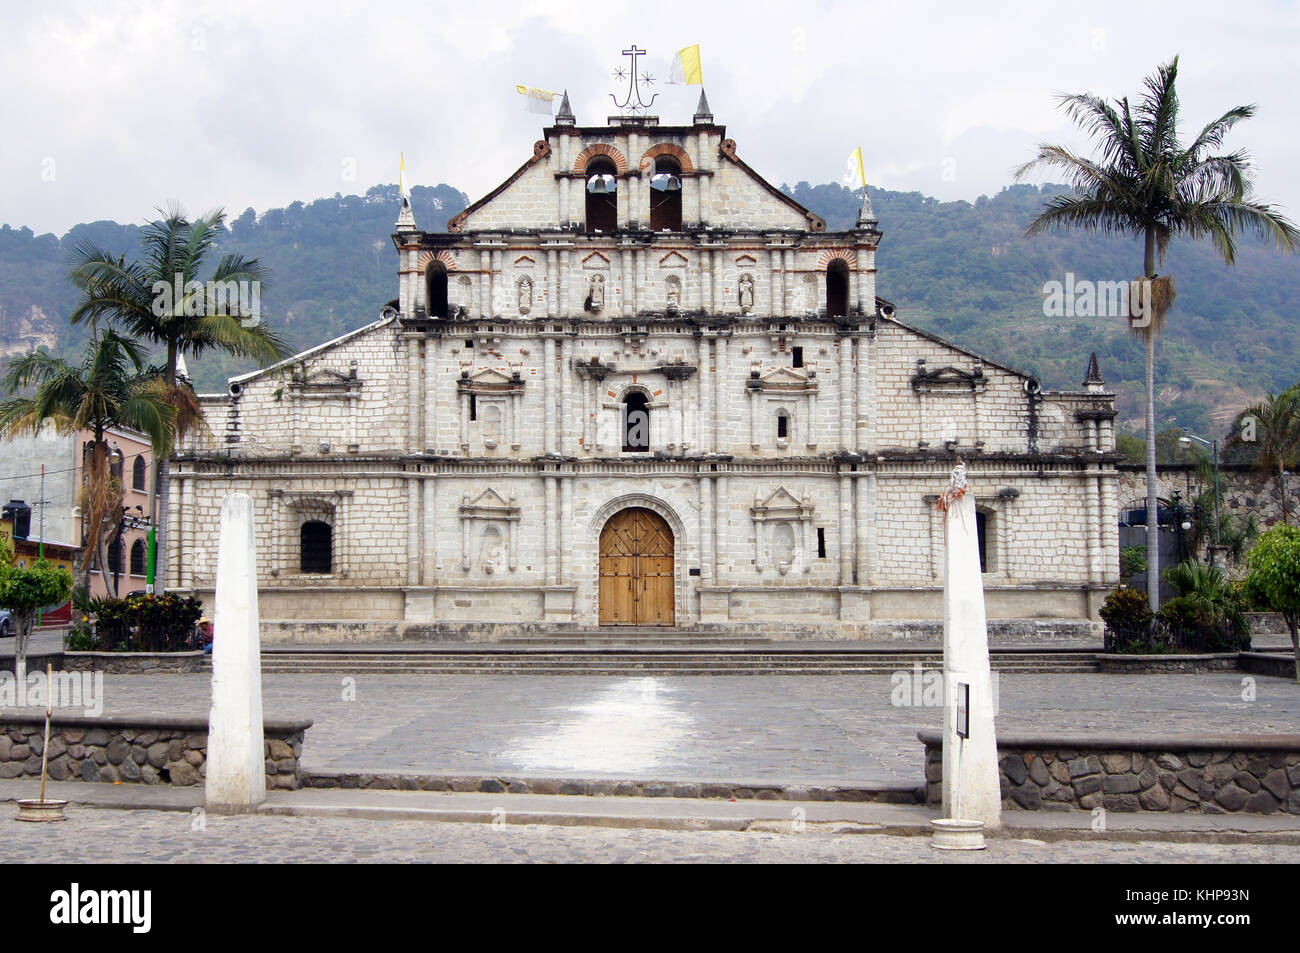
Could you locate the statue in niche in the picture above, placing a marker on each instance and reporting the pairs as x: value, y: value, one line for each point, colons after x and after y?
x: 524, y: 286
x: 783, y: 547
x: 596, y: 293
x: 746, y: 293
x: 491, y: 552
x: 674, y: 293
x: 466, y: 287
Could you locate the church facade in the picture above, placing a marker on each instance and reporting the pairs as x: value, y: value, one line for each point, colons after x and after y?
x: 636, y: 386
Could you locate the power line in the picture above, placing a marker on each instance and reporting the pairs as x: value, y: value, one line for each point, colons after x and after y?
x: 37, y: 476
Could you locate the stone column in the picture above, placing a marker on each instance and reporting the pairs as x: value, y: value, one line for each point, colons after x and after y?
x: 235, y: 777
x: 548, y: 531
x: 627, y: 281
x: 432, y: 352
x: 720, y: 303
x: 564, y: 424
x: 429, y: 532
x: 704, y: 419
x: 721, y: 530
x: 706, y: 281
x: 548, y: 394
x: 863, y: 530
x: 706, y: 529
x: 721, y: 430
x: 777, y: 295
x: 845, y: 386
x: 186, y: 562
x: 562, y: 283
x: 485, y: 283
x: 862, y: 374
x: 412, y: 530
x: 846, y: 530
x: 413, y: 394
x: 564, y: 556
x: 552, y: 283
x: 498, y: 285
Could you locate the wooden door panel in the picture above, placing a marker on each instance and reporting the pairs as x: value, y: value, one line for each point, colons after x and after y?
x: 636, y: 570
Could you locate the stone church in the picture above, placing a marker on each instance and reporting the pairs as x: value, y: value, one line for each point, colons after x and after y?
x: 636, y: 385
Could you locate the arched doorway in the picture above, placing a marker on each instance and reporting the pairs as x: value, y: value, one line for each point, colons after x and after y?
x: 636, y: 569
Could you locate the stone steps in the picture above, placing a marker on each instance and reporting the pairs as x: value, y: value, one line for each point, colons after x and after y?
x: 650, y: 661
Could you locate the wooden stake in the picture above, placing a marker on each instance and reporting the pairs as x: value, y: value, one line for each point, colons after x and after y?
x: 49, y: 710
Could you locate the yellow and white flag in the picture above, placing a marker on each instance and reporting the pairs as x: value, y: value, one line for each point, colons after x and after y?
x: 536, y: 100
x: 402, y: 190
x: 685, y: 70
x: 856, y: 177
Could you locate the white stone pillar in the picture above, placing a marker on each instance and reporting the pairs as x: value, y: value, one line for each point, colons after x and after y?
x: 413, y: 401
x: 564, y: 558
x: 788, y: 283
x: 862, y: 529
x: 485, y: 283
x: 412, y: 531
x: 862, y: 378
x: 564, y: 427
x: 776, y: 296
x: 966, y: 661
x: 429, y: 532
x: 627, y: 282
x: 432, y: 349
x: 706, y: 281
x: 552, y: 284
x: 704, y: 419
x: 720, y: 303
x: 498, y: 285
x: 186, y: 562
x: 721, y: 530
x: 235, y: 779
x: 562, y: 284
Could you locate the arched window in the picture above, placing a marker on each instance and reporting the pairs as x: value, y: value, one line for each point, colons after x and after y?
x: 435, y: 283
x: 115, y: 556
x: 837, y: 289
x: 666, y: 195
x: 317, y: 547
x: 139, y: 562
x: 636, y: 425
x: 115, y: 461
x: 602, y: 196
x: 140, y: 474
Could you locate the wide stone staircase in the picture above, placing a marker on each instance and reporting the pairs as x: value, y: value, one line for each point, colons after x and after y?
x: 634, y: 652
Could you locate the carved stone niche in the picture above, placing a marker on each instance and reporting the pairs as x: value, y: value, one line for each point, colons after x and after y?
x: 493, y: 398
x: 321, y: 386
x: 791, y: 387
x: 489, y: 525
x: 948, y: 380
x: 783, y: 528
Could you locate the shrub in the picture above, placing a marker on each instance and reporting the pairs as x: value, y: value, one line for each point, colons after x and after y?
x: 1128, y: 621
x: 1133, y: 560
x: 1196, y: 625
x: 147, y: 624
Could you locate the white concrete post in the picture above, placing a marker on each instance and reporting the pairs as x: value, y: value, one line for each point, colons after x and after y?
x: 236, y: 767
x: 966, y: 661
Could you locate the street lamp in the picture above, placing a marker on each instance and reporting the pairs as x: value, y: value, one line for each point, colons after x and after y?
x: 1186, y: 440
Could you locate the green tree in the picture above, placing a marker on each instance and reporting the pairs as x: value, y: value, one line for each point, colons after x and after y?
x: 111, y: 387
x: 162, y: 299
x: 1273, y: 576
x: 1272, y: 429
x: 1145, y: 182
x: 26, y: 591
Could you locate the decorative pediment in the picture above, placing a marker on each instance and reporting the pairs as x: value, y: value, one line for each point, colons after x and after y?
x: 525, y: 261
x: 746, y: 261
x: 489, y: 505
x: 324, y: 381
x: 490, y: 381
x: 948, y: 379
x: 595, y: 260
x: 674, y: 259
x: 783, y: 380
x: 781, y: 504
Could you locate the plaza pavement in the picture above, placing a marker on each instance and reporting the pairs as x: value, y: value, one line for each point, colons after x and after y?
x: 786, y: 729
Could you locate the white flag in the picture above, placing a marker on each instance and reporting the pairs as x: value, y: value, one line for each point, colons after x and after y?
x: 537, y: 100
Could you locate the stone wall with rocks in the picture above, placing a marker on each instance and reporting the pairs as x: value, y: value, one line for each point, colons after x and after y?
x: 1246, y: 490
x: 148, y: 749
x: 136, y: 663
x: 1211, y: 774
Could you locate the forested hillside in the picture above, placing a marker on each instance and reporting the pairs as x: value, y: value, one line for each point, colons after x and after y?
x: 962, y: 270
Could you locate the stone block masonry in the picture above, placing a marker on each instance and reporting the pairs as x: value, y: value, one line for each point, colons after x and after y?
x: 139, y: 749
x: 1208, y: 774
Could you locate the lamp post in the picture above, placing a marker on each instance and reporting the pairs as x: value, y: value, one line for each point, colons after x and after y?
x: 1186, y: 440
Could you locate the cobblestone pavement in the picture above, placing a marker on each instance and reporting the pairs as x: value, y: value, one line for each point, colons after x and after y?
x: 797, y: 729
x: 114, y: 836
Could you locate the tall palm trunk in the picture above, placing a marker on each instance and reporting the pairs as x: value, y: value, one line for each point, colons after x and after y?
x: 1153, y: 513
x: 163, y: 487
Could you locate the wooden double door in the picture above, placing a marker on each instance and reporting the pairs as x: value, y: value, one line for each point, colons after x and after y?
x: 636, y: 569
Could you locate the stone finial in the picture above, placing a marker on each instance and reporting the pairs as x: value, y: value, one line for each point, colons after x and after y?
x: 565, y: 116
x: 406, y: 218
x: 703, y: 115
x: 956, y: 486
x: 1093, y: 380
x: 866, y: 214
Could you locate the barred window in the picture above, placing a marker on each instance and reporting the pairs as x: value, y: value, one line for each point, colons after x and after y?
x: 317, y: 540
x: 138, y: 558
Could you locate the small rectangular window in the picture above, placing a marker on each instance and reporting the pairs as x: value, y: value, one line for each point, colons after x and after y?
x: 473, y: 407
x: 821, y: 542
x: 469, y: 345
x: 782, y: 426
x: 798, y: 357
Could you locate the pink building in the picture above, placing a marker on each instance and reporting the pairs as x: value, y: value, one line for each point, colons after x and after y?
x: 131, y: 459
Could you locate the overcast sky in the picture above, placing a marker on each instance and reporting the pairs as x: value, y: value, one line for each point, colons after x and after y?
x: 113, y: 108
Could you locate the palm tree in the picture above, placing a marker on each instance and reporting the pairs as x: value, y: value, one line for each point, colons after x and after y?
x: 1273, y: 433
x: 1144, y: 182
x: 111, y: 387
x: 161, y: 299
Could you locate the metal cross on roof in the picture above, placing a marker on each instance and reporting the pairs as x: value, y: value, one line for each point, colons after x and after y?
x: 632, y: 103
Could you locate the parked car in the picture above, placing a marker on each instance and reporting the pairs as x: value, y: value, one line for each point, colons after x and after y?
x: 6, y: 624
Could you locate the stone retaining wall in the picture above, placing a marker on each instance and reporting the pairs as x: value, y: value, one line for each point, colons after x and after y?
x: 1165, y: 664
x: 136, y: 663
x: 145, y: 749
x: 1209, y: 774
x: 1260, y: 663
